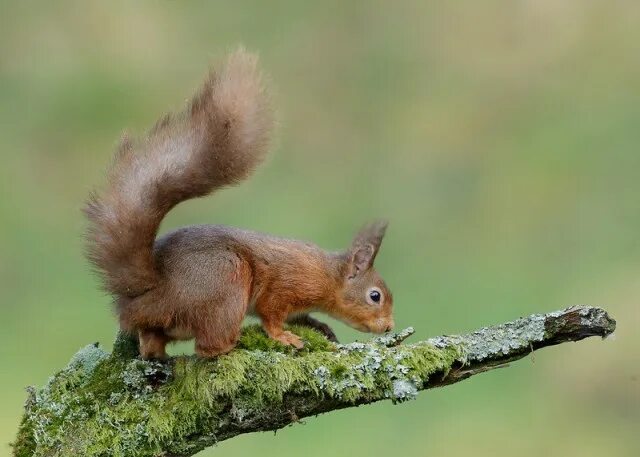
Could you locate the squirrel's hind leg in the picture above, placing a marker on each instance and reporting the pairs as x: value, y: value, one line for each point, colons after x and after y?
x: 153, y: 343
x: 218, y: 331
x: 217, y: 323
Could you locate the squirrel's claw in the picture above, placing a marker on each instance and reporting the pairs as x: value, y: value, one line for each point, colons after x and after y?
x: 291, y: 339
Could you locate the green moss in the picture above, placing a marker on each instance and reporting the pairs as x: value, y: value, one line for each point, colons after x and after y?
x: 111, y: 405
x: 126, y: 345
x: 254, y: 338
x: 25, y: 441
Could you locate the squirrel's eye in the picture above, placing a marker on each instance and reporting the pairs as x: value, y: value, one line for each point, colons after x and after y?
x: 374, y: 296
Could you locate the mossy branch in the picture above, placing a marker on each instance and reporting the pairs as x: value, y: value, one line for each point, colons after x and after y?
x: 118, y: 405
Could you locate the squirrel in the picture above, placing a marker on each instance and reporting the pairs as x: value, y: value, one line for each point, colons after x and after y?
x: 201, y: 281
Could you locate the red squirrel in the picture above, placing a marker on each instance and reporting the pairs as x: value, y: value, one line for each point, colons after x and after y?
x: 200, y: 281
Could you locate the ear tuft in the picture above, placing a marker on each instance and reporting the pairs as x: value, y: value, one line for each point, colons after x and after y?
x: 365, y: 246
x: 372, y: 234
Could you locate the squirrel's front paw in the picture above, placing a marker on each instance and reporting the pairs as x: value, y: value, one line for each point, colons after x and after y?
x: 291, y: 339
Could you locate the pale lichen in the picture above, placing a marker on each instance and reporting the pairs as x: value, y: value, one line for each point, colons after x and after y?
x: 88, y: 358
x: 393, y: 339
x: 404, y: 390
x: 498, y: 339
x: 503, y: 339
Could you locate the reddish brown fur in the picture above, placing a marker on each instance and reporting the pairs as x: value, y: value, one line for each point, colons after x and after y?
x: 200, y: 282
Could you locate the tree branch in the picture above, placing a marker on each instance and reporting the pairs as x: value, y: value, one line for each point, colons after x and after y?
x: 118, y: 405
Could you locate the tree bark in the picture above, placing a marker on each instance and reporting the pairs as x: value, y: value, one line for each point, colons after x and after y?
x: 118, y: 405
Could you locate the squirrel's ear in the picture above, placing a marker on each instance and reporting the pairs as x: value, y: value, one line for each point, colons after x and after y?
x: 365, y: 246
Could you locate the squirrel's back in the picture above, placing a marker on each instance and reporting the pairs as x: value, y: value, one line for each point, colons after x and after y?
x: 216, y: 141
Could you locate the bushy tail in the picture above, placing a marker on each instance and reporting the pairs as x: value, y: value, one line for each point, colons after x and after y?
x: 217, y: 141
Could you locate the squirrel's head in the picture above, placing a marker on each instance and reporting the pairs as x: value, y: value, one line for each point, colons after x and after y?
x: 364, y: 302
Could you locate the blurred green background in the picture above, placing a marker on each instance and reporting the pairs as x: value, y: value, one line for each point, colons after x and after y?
x: 500, y: 139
